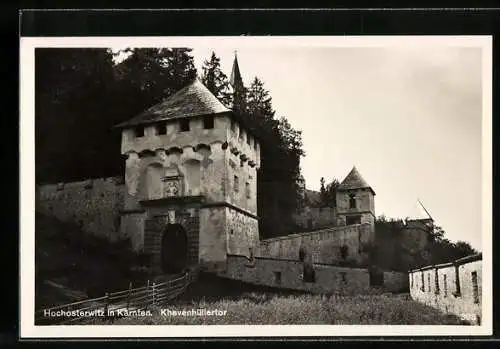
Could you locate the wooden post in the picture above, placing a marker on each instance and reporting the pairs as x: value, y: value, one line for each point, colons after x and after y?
x: 106, y: 305
x: 153, y: 288
x: 128, y: 295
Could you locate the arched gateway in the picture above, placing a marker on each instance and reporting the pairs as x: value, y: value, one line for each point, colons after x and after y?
x: 174, y: 249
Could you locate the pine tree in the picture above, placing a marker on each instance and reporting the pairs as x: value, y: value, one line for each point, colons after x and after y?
x: 216, y: 81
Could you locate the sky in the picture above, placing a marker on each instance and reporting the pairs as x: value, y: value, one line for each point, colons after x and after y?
x: 409, y: 118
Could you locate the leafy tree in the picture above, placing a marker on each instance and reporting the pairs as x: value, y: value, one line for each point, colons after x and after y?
x: 215, y: 80
x: 328, y: 193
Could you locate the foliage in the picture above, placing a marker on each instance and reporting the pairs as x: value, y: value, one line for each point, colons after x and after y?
x: 81, y: 94
x: 215, y: 80
x: 395, y: 250
x: 281, y: 150
x: 328, y: 193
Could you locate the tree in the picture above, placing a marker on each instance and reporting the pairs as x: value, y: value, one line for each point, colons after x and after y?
x: 82, y: 93
x: 215, y: 80
x: 281, y: 149
x: 328, y: 193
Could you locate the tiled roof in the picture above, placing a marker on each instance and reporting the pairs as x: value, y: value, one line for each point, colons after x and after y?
x: 193, y: 100
x: 354, y: 181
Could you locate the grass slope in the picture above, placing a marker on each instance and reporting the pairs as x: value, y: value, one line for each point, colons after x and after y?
x: 72, y: 265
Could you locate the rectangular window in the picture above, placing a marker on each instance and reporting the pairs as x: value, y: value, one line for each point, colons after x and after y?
x: 423, y: 281
x: 184, y: 125
x: 343, y: 277
x: 208, y: 122
x: 247, y: 190
x: 161, y: 128
x: 445, y: 286
x: 277, y: 277
x: 436, y: 282
x: 475, y: 289
x: 428, y: 282
x: 139, y: 131
x: 350, y: 220
x: 352, y: 201
x: 457, y: 282
x: 236, y: 183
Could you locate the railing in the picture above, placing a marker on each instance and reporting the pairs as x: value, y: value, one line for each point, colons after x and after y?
x: 116, y: 304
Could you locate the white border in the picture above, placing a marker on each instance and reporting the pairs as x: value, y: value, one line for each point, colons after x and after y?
x: 27, y: 189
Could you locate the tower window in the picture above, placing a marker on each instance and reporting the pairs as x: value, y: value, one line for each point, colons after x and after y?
x: 429, y: 282
x: 208, y: 122
x: 445, y: 286
x: 344, y: 251
x: 277, y: 277
x: 475, y: 289
x: 352, y: 201
x: 351, y: 220
x: 139, y: 131
x: 161, y: 128
x: 422, y: 281
x: 236, y: 183
x: 184, y: 125
x: 247, y: 190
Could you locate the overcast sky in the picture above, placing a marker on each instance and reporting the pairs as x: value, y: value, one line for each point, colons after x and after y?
x: 408, y: 118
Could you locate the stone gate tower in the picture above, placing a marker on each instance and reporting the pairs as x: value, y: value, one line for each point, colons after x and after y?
x: 190, y: 182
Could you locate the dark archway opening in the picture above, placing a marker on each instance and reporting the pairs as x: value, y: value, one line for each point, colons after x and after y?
x: 174, y: 249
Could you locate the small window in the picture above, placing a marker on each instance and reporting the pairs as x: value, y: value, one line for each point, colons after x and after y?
x: 351, y: 220
x: 184, y: 125
x: 208, y: 122
x: 445, y: 286
x: 247, y: 189
x: 277, y: 277
x: 161, y: 129
x: 475, y: 289
x: 344, y: 251
x: 236, y: 183
x: 139, y: 131
x: 352, y: 201
x: 232, y: 232
x: 429, y: 282
x: 423, y: 282
x: 436, y: 282
x: 457, y: 283
x: 343, y: 277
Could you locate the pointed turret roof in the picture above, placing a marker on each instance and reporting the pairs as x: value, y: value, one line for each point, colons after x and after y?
x: 194, y: 99
x: 354, y: 181
x: 235, y: 73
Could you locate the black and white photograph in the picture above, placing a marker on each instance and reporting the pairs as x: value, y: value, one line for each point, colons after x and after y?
x: 171, y: 186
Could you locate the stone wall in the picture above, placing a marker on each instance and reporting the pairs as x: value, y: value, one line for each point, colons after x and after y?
x: 396, y: 281
x: 316, y: 217
x: 94, y: 204
x: 347, y: 244
x: 452, y: 287
x: 288, y: 274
